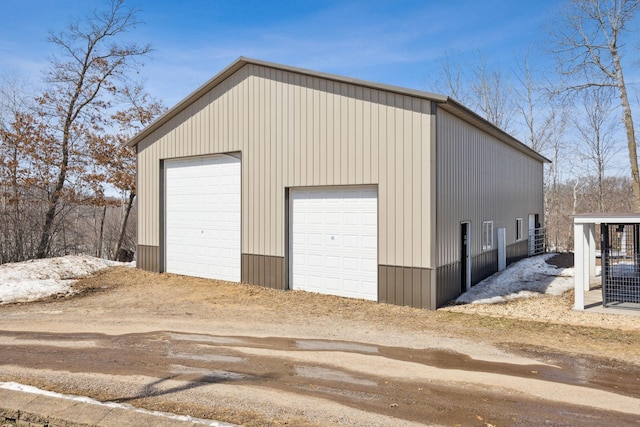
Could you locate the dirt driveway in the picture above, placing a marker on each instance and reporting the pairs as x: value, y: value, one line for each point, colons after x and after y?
x: 255, y: 356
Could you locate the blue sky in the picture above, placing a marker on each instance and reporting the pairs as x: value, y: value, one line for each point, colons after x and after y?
x: 392, y: 42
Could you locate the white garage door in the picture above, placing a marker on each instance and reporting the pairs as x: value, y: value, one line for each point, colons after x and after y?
x: 334, y: 241
x: 202, y: 217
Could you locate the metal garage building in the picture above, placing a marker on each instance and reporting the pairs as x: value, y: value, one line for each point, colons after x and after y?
x: 294, y: 179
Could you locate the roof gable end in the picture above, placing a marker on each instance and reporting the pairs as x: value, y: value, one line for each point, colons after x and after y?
x: 445, y: 102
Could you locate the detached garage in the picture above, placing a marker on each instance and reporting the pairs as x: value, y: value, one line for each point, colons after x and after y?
x: 294, y: 179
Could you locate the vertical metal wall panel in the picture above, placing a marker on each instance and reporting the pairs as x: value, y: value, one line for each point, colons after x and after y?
x: 241, y: 121
x: 382, y: 284
x: 407, y: 181
x: 279, y: 136
x: 390, y: 204
x: 383, y: 190
x: 517, y: 251
x: 480, y: 179
x: 374, y: 137
x: 447, y: 284
x: 415, y: 160
x: 399, y: 185
x: 429, y: 166
x: 298, y: 130
x: 148, y: 258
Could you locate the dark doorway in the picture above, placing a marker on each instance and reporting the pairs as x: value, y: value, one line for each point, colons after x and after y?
x: 465, y: 256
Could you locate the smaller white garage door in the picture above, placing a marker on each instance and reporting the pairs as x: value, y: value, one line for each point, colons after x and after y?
x: 202, y: 217
x: 334, y: 241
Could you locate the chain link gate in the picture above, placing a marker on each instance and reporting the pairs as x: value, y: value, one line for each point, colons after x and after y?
x: 620, y: 249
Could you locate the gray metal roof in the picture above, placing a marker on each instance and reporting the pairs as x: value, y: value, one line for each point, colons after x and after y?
x: 446, y: 103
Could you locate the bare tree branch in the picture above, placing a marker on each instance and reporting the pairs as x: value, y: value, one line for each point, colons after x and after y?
x: 95, y: 60
x: 588, y: 47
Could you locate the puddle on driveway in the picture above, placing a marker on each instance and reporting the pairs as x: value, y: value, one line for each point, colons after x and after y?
x: 207, y: 338
x: 208, y: 373
x: 320, y: 373
x: 154, y: 352
x: 319, y: 345
x: 207, y: 357
x: 4, y: 341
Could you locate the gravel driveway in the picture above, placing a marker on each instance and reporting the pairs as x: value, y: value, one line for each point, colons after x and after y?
x: 255, y: 356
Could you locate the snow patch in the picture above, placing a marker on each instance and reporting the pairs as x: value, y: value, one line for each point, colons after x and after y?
x: 527, y: 278
x: 36, y: 279
x: 30, y: 389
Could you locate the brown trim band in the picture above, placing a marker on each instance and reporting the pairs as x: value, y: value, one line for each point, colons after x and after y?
x: 148, y: 258
x: 408, y: 286
x: 263, y: 270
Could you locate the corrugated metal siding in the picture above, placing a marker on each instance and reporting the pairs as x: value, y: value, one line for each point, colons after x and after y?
x: 297, y: 130
x: 448, y: 284
x: 480, y: 179
x: 147, y: 258
x: 408, y: 286
x: 263, y: 270
x: 483, y: 265
x: 517, y: 251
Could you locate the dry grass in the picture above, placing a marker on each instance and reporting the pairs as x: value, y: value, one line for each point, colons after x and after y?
x: 545, y: 321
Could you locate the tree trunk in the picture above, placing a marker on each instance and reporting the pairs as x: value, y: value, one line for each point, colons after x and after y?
x: 45, y: 237
x: 101, y: 236
x: 18, y: 226
x: 600, y: 187
x: 123, y: 223
x: 631, y: 136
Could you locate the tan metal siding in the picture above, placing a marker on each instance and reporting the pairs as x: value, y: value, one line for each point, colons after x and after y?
x: 297, y: 130
x: 480, y: 179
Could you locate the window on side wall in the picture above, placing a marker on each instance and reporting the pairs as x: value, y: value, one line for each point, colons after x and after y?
x: 487, y: 235
x: 518, y: 228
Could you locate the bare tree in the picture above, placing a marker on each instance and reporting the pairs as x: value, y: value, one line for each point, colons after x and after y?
x: 492, y: 95
x: 116, y: 159
x: 553, y: 191
x: 92, y: 60
x: 596, y: 131
x: 451, y: 80
x: 21, y: 137
x: 486, y: 91
x: 535, y: 108
x: 590, y: 46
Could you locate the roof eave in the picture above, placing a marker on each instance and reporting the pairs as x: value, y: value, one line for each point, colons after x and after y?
x: 459, y: 110
x: 172, y: 112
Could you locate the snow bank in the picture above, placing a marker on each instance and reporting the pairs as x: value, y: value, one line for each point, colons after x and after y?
x: 36, y: 279
x: 34, y: 390
x: 523, y: 279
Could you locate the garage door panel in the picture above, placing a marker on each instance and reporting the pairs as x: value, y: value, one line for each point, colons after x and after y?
x: 334, y: 241
x: 202, y: 217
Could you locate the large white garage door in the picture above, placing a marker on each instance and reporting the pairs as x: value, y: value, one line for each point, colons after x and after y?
x: 202, y: 217
x: 334, y: 241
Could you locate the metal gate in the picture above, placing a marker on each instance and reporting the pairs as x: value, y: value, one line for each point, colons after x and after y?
x: 620, y: 247
x: 537, y: 241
